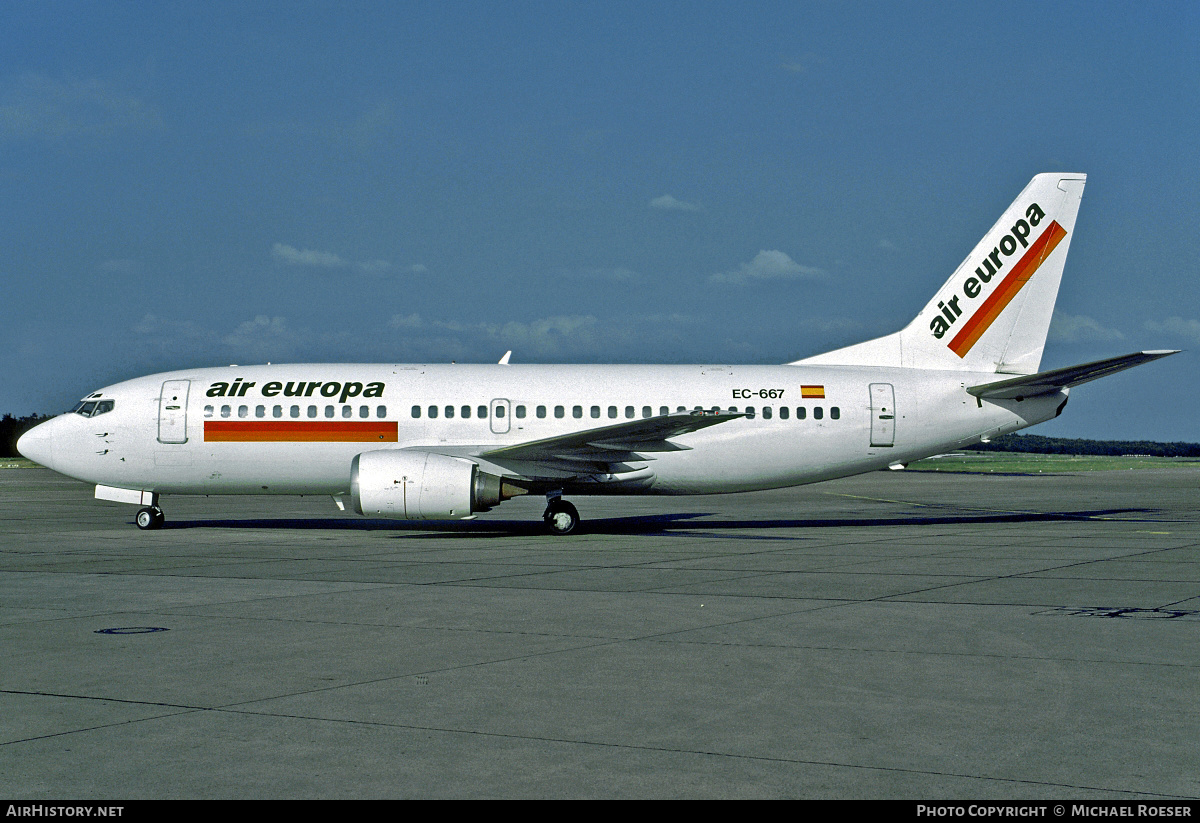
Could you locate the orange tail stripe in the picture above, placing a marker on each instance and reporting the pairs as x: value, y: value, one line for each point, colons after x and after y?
x: 987, y: 313
x: 296, y: 431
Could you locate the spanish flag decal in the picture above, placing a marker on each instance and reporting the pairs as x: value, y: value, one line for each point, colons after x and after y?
x: 299, y: 431
x: 812, y: 392
x: 1003, y: 294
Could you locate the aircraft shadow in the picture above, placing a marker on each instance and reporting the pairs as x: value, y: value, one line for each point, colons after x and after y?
x: 688, y: 522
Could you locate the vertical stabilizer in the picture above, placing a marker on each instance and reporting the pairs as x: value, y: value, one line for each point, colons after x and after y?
x: 994, y: 312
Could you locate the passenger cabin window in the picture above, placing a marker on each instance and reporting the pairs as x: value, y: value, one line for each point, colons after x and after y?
x: 818, y: 413
x: 595, y: 411
x: 520, y: 412
x: 449, y: 412
x: 226, y: 411
x: 466, y: 411
x: 381, y: 411
x: 243, y: 411
x: 784, y: 413
x: 541, y: 412
x: 612, y: 412
x: 277, y: 411
x: 647, y: 411
x: 835, y: 413
x: 767, y: 413
x: 482, y: 412
x: 560, y: 412
x: 801, y: 412
x: 416, y: 411
x: 577, y: 412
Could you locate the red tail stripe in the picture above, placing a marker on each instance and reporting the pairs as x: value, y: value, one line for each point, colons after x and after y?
x: 1003, y: 294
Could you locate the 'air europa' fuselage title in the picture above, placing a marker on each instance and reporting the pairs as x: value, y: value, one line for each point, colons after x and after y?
x: 301, y: 388
x: 975, y: 285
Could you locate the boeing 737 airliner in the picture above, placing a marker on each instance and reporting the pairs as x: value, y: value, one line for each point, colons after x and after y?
x: 429, y: 442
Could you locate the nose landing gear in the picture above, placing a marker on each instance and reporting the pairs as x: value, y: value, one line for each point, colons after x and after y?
x: 149, y: 518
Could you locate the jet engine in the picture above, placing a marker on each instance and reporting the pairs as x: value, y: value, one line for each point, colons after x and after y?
x: 418, y: 485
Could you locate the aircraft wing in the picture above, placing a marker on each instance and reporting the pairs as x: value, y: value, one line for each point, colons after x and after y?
x: 1048, y: 382
x: 611, y: 444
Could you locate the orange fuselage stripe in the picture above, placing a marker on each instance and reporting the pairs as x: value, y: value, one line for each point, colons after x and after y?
x: 1007, y: 289
x: 299, y: 431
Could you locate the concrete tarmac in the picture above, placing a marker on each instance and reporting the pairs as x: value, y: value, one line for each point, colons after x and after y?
x: 896, y: 635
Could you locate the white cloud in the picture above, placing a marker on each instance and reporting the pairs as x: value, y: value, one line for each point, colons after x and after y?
x: 767, y: 265
x: 1074, y: 328
x: 306, y: 257
x: 619, y: 274
x: 409, y: 321
x: 1176, y: 326
x: 801, y: 64
x: 557, y: 336
x: 187, y: 330
x: 263, y: 338
x: 669, y: 203
x: 37, y: 106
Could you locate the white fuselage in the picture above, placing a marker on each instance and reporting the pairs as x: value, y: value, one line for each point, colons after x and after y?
x: 171, y: 433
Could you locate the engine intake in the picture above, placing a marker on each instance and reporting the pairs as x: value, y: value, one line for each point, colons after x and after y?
x: 418, y: 485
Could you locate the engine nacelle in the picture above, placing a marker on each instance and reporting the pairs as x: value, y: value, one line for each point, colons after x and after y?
x: 417, y: 485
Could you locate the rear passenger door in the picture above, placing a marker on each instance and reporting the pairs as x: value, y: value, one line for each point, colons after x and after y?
x: 883, y: 415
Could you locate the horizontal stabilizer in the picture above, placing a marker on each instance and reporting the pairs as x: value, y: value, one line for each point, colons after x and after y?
x: 1048, y: 382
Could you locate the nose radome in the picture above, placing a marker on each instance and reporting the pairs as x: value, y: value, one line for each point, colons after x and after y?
x: 37, y: 445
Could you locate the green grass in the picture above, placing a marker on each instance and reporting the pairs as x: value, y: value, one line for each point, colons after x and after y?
x: 1025, y: 463
x: 17, y: 463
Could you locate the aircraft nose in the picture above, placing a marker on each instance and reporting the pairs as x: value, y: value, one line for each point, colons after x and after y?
x: 37, y: 445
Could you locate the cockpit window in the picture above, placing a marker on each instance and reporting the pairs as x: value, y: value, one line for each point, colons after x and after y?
x: 93, y: 408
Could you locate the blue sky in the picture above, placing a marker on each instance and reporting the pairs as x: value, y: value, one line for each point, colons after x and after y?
x: 186, y: 184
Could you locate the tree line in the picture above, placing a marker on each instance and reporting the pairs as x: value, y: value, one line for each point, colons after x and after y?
x: 1037, y: 444
x: 13, y: 427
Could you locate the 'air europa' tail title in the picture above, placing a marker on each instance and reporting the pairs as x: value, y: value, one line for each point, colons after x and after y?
x: 974, y: 286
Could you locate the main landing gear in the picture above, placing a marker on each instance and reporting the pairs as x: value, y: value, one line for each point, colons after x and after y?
x: 560, y: 516
x: 151, y: 517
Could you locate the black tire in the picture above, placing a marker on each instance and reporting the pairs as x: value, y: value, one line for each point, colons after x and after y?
x: 150, y: 518
x: 561, y: 517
